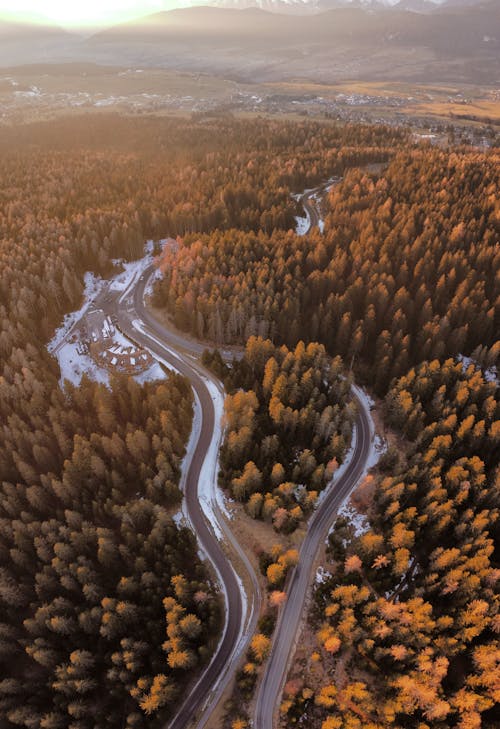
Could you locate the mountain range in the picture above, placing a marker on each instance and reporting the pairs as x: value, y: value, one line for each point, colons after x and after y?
x: 314, y: 6
x: 460, y: 43
x: 22, y: 43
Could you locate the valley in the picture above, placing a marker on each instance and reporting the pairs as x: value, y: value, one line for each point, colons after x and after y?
x: 466, y: 112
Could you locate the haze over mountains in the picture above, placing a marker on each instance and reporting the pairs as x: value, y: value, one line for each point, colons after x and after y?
x: 22, y: 43
x: 315, y: 6
x: 451, y: 43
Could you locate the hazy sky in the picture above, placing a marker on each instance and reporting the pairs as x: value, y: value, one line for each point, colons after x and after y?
x: 83, y: 12
x: 98, y: 12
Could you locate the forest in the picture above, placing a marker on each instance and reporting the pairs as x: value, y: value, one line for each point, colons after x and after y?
x: 288, y: 421
x: 106, y: 609
x: 408, y: 620
x: 405, y: 270
x: 98, y: 586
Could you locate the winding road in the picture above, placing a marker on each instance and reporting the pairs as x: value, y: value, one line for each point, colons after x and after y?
x: 311, y: 202
x: 287, y: 631
x: 241, y: 591
x: 288, y: 627
x: 241, y: 604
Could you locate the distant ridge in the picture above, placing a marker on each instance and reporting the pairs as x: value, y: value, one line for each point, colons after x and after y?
x: 344, y: 43
x: 445, y: 32
x: 23, y: 42
x: 32, y: 30
x: 304, y: 7
x: 252, y: 44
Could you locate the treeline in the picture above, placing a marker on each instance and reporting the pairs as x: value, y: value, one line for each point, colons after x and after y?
x: 404, y: 272
x: 288, y: 425
x: 408, y: 620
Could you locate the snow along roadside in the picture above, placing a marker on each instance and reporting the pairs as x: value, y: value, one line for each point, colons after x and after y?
x: 212, y: 502
x: 211, y: 498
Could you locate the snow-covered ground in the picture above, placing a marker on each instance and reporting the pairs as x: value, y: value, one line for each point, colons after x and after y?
x: 179, y: 519
x: 131, y: 273
x: 134, y: 270
x: 359, y: 522
x: 72, y: 361
x: 137, y: 324
x: 154, y: 372
x: 121, y: 345
x: 151, y: 282
x: 207, y: 483
x: 341, y: 469
x: 302, y: 224
x: 211, y: 498
x: 93, y: 285
x: 377, y: 447
x: 74, y: 365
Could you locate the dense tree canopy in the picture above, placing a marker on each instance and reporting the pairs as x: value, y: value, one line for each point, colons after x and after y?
x: 105, y: 607
x: 95, y: 577
x: 409, y: 619
x: 405, y: 269
x: 285, y: 436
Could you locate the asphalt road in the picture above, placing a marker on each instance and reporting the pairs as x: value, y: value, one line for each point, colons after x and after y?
x: 182, y: 352
x: 241, y: 616
x: 273, y: 680
x: 311, y: 204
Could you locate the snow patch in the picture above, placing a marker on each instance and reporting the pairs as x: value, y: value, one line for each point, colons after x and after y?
x: 131, y: 273
x: 218, y: 400
x: 155, y: 372
x: 302, y: 225
x: 93, y: 285
x: 156, y: 276
x: 121, y: 345
x: 490, y: 374
x: 190, y: 449
x: 209, y: 493
x: 74, y: 365
x: 179, y: 519
x: 365, y: 399
x: 359, y: 522
x: 322, y: 576
x: 379, y: 447
x: 137, y: 324
x: 341, y: 469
